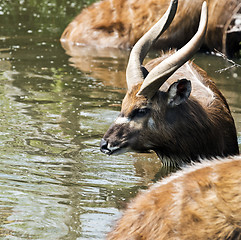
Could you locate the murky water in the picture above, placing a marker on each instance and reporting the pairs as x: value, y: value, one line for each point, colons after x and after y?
x: 54, y: 109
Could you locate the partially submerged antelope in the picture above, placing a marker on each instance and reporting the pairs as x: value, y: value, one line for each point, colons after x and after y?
x: 172, y: 107
x: 200, y: 202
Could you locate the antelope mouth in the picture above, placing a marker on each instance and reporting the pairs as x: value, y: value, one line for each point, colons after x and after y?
x: 110, y: 150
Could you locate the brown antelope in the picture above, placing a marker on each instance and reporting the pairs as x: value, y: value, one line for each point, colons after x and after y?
x: 120, y: 23
x: 200, y: 202
x: 172, y: 107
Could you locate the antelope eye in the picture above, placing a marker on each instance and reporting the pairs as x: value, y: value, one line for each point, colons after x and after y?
x: 141, y: 112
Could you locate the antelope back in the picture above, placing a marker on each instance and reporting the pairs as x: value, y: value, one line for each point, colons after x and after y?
x: 199, y: 202
x: 120, y: 23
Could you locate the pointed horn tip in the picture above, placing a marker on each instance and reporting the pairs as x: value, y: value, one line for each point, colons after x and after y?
x: 137, y: 57
x: 204, y: 9
x: 201, y: 33
x: 174, y: 1
x: 204, y: 17
x: 204, y: 4
x: 173, y: 5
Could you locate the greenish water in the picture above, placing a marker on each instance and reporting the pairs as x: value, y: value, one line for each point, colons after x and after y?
x: 54, y: 109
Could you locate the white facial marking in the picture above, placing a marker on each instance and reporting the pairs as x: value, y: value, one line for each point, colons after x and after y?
x: 122, y: 120
x: 118, y: 151
x: 151, y: 124
x: 207, y: 94
x: 133, y: 123
x: 137, y: 125
x: 112, y: 148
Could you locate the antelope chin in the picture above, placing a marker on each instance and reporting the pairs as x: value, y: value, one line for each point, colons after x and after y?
x: 106, y: 148
x: 115, y: 150
x: 118, y: 151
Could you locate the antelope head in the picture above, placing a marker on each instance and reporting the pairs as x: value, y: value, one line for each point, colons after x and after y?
x: 146, y: 113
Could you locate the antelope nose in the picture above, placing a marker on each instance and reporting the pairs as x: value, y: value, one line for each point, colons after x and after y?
x: 104, y: 146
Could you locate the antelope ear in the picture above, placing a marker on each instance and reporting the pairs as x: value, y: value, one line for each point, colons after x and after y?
x: 179, y: 92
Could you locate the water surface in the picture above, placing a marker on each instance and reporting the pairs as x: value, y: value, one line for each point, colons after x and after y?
x: 54, y: 109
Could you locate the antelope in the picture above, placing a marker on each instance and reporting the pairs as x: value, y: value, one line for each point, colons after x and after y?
x: 120, y: 23
x: 202, y: 201
x: 171, y: 107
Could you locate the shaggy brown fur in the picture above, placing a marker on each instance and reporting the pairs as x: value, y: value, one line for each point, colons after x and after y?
x: 200, y: 202
x: 120, y: 23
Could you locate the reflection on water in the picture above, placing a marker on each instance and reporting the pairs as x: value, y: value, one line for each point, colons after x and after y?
x: 106, y: 64
x: 54, y: 109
